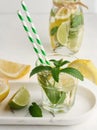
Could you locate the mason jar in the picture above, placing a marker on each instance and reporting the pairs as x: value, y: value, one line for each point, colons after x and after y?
x: 66, y: 26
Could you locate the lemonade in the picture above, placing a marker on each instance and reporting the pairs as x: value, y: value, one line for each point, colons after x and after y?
x: 58, y: 96
x: 58, y: 82
x: 66, y: 26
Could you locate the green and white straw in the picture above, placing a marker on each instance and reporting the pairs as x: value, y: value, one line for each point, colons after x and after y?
x: 40, y: 52
x: 24, y: 6
x: 26, y: 28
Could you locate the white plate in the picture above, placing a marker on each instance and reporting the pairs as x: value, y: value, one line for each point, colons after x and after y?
x: 81, y: 111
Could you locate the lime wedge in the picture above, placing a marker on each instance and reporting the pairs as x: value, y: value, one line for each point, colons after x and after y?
x: 62, y: 33
x: 20, y: 99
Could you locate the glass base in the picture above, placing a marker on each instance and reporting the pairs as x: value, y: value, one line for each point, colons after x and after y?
x: 64, y: 51
x: 56, y: 109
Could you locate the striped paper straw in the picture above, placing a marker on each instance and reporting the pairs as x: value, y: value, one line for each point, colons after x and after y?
x: 24, y: 6
x: 42, y: 61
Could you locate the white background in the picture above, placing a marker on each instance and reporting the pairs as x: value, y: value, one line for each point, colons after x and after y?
x: 38, y: 6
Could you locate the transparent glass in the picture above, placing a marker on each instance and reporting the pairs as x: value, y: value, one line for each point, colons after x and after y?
x: 66, y: 26
x: 57, y: 96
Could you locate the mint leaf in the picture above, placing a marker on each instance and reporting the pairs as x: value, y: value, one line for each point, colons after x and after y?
x: 73, y: 33
x: 74, y: 72
x: 62, y: 98
x: 54, y: 30
x: 35, y: 110
x: 39, y: 69
x: 55, y: 74
x: 59, y: 63
x: 64, y: 62
x: 76, y: 21
x: 53, y: 94
x: 52, y: 13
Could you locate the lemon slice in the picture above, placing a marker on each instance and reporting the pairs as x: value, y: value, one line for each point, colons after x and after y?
x: 12, y: 70
x: 63, y: 13
x: 87, y: 68
x: 20, y: 99
x: 67, y: 82
x: 62, y: 33
x: 4, y: 89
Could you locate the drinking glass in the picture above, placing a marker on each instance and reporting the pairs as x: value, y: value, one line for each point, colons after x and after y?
x: 58, y: 96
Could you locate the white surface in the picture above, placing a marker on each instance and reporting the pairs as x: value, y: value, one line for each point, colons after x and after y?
x: 14, y: 46
x: 82, y: 110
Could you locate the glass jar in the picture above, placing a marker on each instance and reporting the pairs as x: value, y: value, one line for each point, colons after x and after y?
x: 58, y: 96
x: 66, y: 26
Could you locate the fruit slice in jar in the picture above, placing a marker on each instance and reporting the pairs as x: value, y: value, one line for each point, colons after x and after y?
x: 62, y: 33
x: 63, y: 13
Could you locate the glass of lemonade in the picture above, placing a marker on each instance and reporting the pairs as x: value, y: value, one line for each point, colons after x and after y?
x: 66, y: 26
x: 57, y: 96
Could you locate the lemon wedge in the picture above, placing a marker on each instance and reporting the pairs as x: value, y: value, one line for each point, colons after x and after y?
x: 4, y: 89
x: 87, y: 68
x: 13, y: 70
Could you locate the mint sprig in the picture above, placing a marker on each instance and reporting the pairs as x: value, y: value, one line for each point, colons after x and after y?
x: 57, y: 69
x: 35, y: 110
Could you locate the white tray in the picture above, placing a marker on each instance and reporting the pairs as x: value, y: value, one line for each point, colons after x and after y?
x: 83, y: 108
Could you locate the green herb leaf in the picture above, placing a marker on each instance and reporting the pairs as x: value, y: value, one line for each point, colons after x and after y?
x: 64, y: 62
x: 62, y: 97
x: 39, y: 69
x: 54, y: 30
x: 55, y: 74
x: 35, y: 110
x: 73, y: 34
x: 59, y: 63
x: 74, y: 72
x: 53, y: 94
x: 76, y: 20
x: 52, y: 13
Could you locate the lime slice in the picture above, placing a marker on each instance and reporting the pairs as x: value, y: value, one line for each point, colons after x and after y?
x: 20, y: 99
x: 62, y: 33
